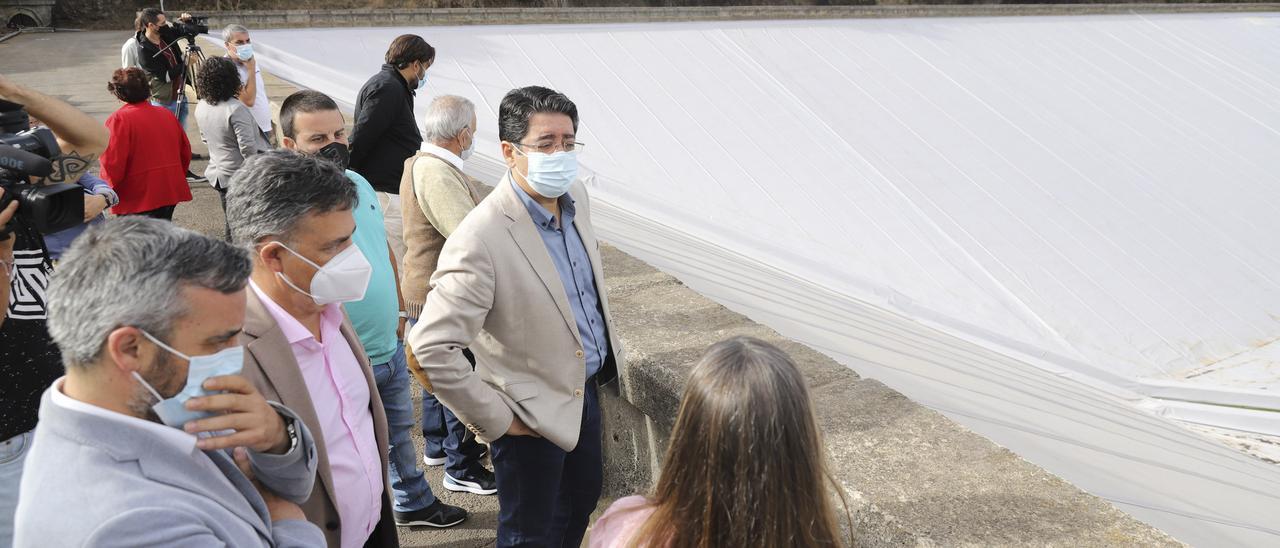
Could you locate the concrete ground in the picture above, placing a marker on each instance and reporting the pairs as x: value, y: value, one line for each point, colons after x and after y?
x: 75, y: 67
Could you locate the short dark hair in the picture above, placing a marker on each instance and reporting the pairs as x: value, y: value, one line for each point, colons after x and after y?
x: 146, y: 17
x: 274, y: 190
x: 522, y: 103
x: 306, y: 101
x: 407, y: 48
x: 218, y: 80
x: 129, y: 85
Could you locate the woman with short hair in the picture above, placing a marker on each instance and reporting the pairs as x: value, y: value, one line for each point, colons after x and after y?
x: 745, y: 467
x: 226, y: 125
x: 147, y: 158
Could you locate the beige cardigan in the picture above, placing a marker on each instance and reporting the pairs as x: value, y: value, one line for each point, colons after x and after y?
x: 435, y: 196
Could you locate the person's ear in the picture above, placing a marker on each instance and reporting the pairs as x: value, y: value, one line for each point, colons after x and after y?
x: 124, y: 349
x: 289, y: 143
x: 509, y: 154
x: 269, y: 254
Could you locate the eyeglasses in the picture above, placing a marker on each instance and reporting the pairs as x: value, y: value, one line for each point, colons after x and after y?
x: 548, y: 148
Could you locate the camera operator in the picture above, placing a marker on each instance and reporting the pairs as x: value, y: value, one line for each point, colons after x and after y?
x: 161, y: 57
x: 29, y: 361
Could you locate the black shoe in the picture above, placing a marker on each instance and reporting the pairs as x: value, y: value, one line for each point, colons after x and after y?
x: 197, y: 156
x: 193, y: 178
x: 478, y: 480
x: 438, y: 514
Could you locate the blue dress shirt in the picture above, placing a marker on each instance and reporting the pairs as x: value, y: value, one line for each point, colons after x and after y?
x: 570, y: 257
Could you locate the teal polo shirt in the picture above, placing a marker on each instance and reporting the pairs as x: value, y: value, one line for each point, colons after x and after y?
x: 377, y: 315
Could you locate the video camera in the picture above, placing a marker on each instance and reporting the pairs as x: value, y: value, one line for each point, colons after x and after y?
x: 26, y: 153
x: 198, y: 24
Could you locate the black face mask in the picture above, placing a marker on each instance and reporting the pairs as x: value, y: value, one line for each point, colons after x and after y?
x: 337, y: 153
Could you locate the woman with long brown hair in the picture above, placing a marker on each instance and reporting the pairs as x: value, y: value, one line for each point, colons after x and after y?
x: 745, y: 467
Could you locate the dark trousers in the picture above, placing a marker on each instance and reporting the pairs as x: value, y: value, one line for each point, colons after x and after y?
x: 163, y: 213
x: 444, y: 434
x: 226, y: 226
x: 546, y: 495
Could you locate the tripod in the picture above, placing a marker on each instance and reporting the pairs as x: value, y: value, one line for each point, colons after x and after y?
x: 195, y: 59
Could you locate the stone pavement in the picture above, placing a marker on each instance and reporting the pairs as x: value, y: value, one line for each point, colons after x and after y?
x: 75, y: 67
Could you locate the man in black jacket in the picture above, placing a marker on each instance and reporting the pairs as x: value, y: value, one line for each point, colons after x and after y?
x: 385, y: 133
x: 161, y: 57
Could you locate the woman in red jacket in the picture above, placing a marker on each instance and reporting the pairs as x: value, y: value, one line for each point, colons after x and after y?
x: 147, y: 159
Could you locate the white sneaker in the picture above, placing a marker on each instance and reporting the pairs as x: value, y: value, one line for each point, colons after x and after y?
x: 426, y: 459
x: 480, y: 482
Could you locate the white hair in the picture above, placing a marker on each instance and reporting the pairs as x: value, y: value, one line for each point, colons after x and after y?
x: 447, y: 116
x: 233, y: 29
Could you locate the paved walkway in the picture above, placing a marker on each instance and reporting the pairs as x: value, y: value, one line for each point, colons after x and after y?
x: 88, y: 58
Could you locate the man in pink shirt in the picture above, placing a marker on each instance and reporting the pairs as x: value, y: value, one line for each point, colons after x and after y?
x: 295, y: 212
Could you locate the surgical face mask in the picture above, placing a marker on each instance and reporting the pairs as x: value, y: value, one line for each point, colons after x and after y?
x: 244, y: 52
x: 422, y: 82
x: 337, y: 153
x: 466, y: 153
x: 172, y: 411
x: 551, y: 174
x: 341, y: 280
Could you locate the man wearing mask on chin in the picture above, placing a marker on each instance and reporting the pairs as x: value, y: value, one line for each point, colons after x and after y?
x: 384, y: 133
x: 138, y: 437
x: 520, y: 283
x: 313, y: 125
x: 253, y: 92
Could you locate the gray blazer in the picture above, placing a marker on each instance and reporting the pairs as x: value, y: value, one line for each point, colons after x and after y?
x: 231, y: 133
x: 91, y: 481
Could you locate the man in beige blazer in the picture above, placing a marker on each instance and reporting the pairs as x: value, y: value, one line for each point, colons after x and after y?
x: 520, y: 283
x: 295, y: 213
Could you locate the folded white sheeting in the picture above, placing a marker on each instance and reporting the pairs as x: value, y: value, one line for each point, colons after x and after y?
x: 1021, y: 222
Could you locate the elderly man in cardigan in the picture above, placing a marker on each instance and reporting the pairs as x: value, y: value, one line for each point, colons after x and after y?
x: 437, y: 195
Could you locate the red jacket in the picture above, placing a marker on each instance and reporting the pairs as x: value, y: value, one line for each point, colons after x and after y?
x: 147, y: 158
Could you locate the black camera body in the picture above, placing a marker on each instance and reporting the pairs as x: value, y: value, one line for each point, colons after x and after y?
x: 189, y: 30
x: 26, y: 153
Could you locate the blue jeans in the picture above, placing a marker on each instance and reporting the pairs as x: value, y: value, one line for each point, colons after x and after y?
x: 444, y: 433
x: 407, y: 481
x: 546, y: 495
x: 178, y: 107
x: 13, y: 452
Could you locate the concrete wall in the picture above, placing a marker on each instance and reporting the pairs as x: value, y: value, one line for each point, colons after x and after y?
x: 422, y: 17
x: 913, y: 476
x: 39, y: 10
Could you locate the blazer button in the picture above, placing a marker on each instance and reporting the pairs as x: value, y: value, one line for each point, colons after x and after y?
x: 577, y: 393
x: 331, y: 525
x: 578, y: 354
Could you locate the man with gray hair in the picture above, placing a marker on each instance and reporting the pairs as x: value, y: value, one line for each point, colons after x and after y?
x: 145, y: 421
x: 253, y: 93
x: 437, y: 195
x: 295, y: 213
x: 311, y: 124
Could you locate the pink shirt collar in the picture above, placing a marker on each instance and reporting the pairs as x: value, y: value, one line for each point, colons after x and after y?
x: 294, y: 331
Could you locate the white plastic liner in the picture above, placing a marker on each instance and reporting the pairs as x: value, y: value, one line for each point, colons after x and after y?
x: 1049, y: 228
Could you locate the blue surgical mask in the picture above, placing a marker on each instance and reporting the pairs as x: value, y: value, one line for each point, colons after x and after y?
x: 551, y: 175
x: 173, y: 411
x: 422, y: 82
x: 244, y: 52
